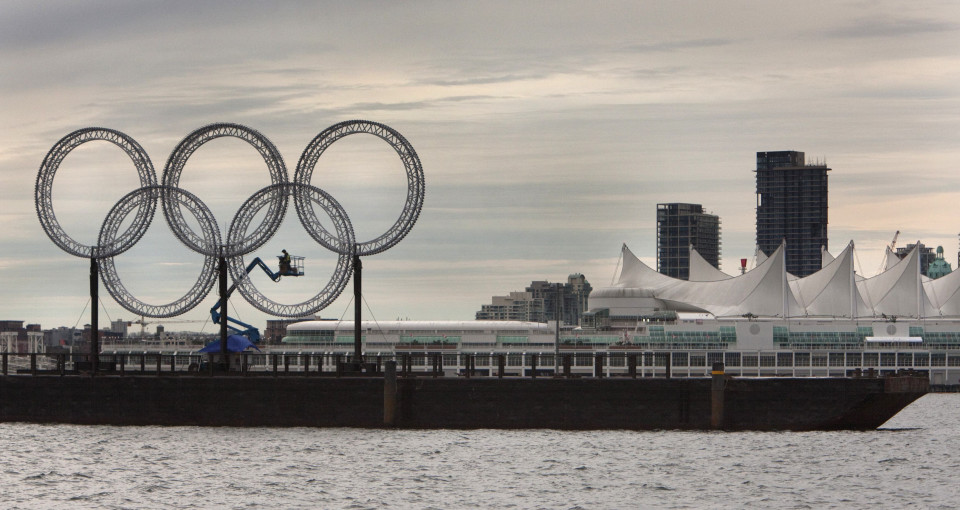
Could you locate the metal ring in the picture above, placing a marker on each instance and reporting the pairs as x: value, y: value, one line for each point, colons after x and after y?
x: 108, y: 271
x: 411, y: 162
x: 171, y: 177
x: 345, y: 238
x: 43, y: 192
x: 208, y: 242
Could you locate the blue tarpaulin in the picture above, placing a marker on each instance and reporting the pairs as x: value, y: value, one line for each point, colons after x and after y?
x: 235, y: 343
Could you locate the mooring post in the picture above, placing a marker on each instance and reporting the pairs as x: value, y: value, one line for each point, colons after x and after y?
x: 667, y: 364
x: 632, y: 365
x: 94, y: 316
x: 500, y: 365
x: 717, y: 386
x: 390, y: 394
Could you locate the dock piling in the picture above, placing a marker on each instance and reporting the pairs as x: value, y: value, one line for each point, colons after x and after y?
x: 717, y: 387
x: 390, y: 394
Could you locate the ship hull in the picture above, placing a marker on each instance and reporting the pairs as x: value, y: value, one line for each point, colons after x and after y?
x: 460, y: 403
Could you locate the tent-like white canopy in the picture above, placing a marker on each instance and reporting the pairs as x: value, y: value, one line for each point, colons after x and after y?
x: 769, y: 291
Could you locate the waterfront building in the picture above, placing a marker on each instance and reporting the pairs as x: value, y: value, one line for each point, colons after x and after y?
x: 939, y: 267
x: 276, y: 329
x: 763, y: 323
x: 792, y: 208
x: 540, y: 302
x: 681, y: 227
x: 119, y: 326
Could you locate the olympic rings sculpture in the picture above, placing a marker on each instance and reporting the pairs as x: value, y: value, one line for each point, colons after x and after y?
x: 240, y: 239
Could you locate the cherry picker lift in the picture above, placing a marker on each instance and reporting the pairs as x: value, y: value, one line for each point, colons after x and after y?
x: 289, y: 266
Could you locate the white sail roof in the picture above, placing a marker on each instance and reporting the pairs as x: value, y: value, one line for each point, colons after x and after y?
x: 768, y: 290
x: 898, y: 291
x: 825, y: 256
x: 831, y: 290
x: 944, y: 292
x: 762, y: 291
x: 703, y: 271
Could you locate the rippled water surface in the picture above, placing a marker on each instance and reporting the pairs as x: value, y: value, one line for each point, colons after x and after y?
x: 914, y: 460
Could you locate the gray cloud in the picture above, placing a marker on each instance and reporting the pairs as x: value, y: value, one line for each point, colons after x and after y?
x: 547, y: 135
x: 890, y: 27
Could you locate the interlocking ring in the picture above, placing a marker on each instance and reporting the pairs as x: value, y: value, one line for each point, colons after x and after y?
x: 415, y: 180
x: 239, y: 242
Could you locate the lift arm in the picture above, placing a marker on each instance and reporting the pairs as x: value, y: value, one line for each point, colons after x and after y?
x: 250, y: 332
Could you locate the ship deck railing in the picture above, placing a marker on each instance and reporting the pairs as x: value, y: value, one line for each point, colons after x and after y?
x: 430, y: 364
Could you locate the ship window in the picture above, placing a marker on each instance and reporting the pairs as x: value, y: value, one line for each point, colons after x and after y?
x: 784, y: 359
x: 714, y: 357
x: 732, y: 359
x: 871, y: 359
x: 921, y: 359
x: 818, y: 360
x: 953, y: 361
x: 514, y: 360
x: 836, y: 359
x: 904, y: 359
x: 545, y: 360
x: 749, y: 361
x: 584, y: 359
x: 767, y: 360
x: 801, y: 359
x: 853, y: 359
x: 680, y: 359
x: 449, y: 360
x: 888, y: 359
x: 617, y: 360
x: 938, y: 360
x: 698, y: 360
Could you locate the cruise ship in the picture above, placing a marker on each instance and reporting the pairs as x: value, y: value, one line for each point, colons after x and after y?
x: 763, y: 323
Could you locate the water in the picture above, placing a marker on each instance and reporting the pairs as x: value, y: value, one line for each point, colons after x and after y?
x: 914, y: 460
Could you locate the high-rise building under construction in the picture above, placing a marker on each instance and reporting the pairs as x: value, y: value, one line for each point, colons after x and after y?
x: 679, y: 227
x: 792, y: 207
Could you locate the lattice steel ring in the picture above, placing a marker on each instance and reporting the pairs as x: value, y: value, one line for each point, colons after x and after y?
x: 411, y: 162
x: 344, y: 238
x: 43, y: 192
x: 108, y: 271
x: 278, y: 175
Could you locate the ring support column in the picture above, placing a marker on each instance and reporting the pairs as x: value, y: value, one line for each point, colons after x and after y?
x: 223, y: 311
x: 94, y: 315
x: 357, y: 296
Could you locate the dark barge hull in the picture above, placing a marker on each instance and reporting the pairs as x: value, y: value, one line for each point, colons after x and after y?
x: 459, y: 403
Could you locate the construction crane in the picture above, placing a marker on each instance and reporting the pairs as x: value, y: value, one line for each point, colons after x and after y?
x: 289, y: 266
x: 892, y: 247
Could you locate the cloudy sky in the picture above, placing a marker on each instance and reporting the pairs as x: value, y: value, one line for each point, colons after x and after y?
x: 548, y: 133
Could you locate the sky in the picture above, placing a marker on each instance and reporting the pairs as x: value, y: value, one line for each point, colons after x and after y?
x: 548, y: 132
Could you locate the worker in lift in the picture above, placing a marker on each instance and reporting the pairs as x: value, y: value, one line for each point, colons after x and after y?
x: 284, y: 262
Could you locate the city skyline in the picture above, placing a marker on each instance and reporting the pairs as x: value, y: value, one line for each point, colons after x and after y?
x: 547, y: 136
